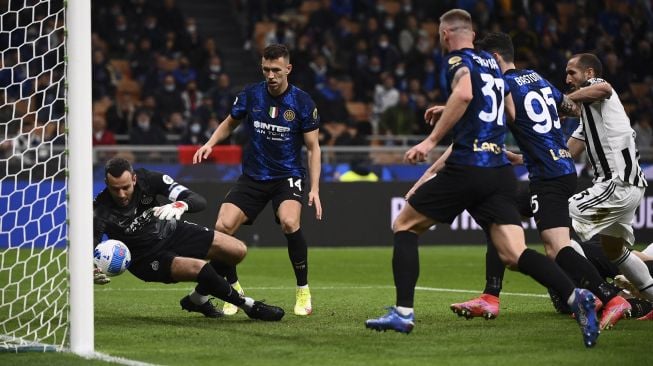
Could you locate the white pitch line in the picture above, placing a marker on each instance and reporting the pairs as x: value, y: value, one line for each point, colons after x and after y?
x: 284, y: 288
x: 118, y: 360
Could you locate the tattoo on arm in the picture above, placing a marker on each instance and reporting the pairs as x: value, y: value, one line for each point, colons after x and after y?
x: 458, y: 75
x: 569, y: 107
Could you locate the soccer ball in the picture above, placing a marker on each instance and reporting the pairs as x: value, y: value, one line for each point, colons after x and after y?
x: 112, y: 257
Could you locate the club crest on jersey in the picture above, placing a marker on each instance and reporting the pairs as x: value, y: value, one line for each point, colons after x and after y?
x: 289, y: 115
x: 273, y: 112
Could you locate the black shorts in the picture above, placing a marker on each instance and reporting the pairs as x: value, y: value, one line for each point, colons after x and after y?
x: 188, y: 240
x: 550, y: 201
x: 251, y: 196
x: 488, y: 194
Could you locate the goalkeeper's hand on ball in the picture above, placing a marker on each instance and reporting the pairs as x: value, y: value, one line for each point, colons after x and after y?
x: 100, y: 278
x: 174, y: 209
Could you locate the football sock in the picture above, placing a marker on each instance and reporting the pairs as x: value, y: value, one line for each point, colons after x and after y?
x: 209, y: 282
x: 546, y: 272
x: 636, y: 271
x: 298, y: 254
x: 648, y: 250
x: 225, y: 270
x: 405, y: 267
x: 584, y: 274
x: 197, y: 298
x: 404, y: 311
x: 494, y: 270
x: 649, y: 265
x: 640, y: 307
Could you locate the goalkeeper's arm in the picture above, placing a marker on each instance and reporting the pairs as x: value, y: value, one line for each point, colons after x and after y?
x: 186, y: 201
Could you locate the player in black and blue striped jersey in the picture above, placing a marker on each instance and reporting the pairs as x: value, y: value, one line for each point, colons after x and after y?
x: 476, y: 177
x: 552, y: 174
x: 279, y: 119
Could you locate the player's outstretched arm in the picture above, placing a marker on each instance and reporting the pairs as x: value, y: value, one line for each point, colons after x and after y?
x: 430, y: 172
x: 433, y: 114
x: 311, y: 140
x: 220, y: 134
x: 576, y: 147
x: 596, y: 91
x: 568, y: 107
x: 461, y: 96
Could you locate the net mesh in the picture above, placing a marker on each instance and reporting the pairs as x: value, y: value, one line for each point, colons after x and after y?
x: 33, y: 231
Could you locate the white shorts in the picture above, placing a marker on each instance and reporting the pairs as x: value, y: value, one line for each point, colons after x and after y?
x: 606, y: 208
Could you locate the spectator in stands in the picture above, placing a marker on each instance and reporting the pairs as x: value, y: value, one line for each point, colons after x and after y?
x: 119, y: 35
x: 143, y: 65
x: 399, y: 119
x: 319, y: 69
x: 170, y: 17
x: 168, y: 98
x: 120, y: 116
x: 152, y: 32
x: 640, y: 65
x: 385, y: 96
x: 176, y: 124
x: 104, y: 83
x: 387, y: 52
x: 184, y: 73
x: 523, y: 38
x: 171, y: 48
x: 281, y: 33
x: 409, y: 35
x: 366, y: 79
x: 194, y: 134
x: 210, y: 74
x: 151, y: 107
x: 145, y: 132
x: 644, y: 134
x: 102, y: 136
x: 619, y: 78
x: 191, y: 42
x: 223, y: 96
x: 551, y: 62
x: 205, y: 110
x: 192, y: 98
x: 330, y: 102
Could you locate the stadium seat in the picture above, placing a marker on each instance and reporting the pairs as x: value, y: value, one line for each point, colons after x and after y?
x: 358, y: 111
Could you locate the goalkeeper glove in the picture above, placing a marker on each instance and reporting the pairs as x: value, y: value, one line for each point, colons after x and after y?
x: 174, y: 209
x: 100, y: 278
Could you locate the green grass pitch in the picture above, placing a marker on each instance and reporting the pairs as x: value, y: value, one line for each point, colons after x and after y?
x: 144, y: 322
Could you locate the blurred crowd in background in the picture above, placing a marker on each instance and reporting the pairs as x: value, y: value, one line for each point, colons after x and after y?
x: 372, y: 66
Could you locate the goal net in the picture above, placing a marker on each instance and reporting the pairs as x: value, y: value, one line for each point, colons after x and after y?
x: 34, y: 283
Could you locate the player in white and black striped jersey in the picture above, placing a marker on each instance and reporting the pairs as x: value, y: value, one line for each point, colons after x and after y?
x: 608, y: 207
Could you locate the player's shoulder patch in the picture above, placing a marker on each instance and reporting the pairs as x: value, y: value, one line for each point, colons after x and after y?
x: 315, y: 114
x: 454, y: 60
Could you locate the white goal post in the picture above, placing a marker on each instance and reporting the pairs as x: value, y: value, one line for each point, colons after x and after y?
x: 46, y: 286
